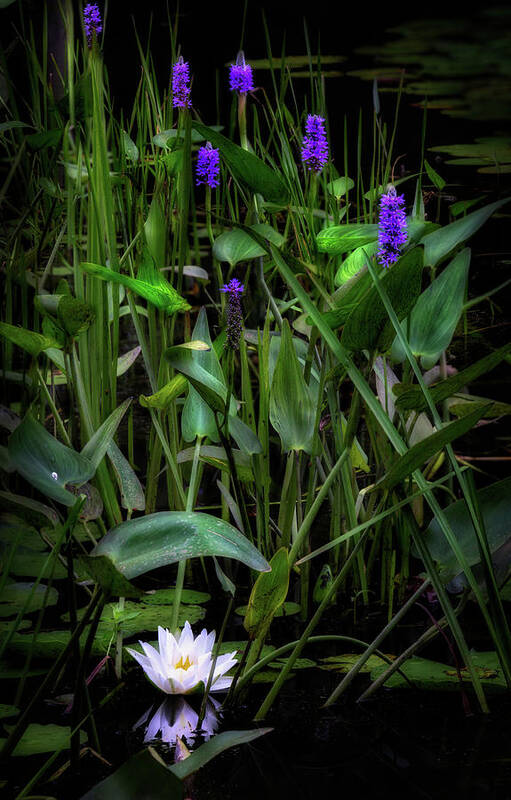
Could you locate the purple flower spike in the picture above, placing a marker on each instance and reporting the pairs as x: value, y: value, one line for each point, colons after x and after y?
x: 181, y: 84
x: 208, y: 166
x: 240, y: 75
x: 315, y: 145
x: 392, y: 231
x: 234, y: 289
x: 92, y: 22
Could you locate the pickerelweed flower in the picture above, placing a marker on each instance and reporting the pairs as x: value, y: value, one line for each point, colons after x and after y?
x: 92, y: 22
x: 392, y: 231
x: 208, y: 166
x: 182, y: 665
x: 314, y: 144
x: 240, y: 75
x: 234, y: 289
x: 181, y: 84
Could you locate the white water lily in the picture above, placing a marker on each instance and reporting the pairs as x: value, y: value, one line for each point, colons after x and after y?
x: 176, y: 719
x: 183, y: 664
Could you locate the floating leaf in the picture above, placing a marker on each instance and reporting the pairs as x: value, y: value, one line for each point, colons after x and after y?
x: 138, y: 617
x: 43, y: 739
x: 163, y: 597
x: 432, y: 675
x: 346, y: 661
x: 247, y: 167
x: 287, y: 609
x: 163, y: 538
x: 14, y: 598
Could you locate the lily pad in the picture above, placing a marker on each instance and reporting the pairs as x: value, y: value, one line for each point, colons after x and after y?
x: 138, y: 617
x: 43, y: 739
x: 14, y: 596
x: 7, y: 711
x: 162, y: 597
x: 432, y: 675
x: 288, y: 609
x: 344, y: 662
x: 13, y: 529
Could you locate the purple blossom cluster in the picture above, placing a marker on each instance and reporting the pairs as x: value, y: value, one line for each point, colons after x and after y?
x: 392, y: 231
x: 181, y: 84
x: 208, y: 166
x: 234, y: 289
x: 241, y: 79
x: 92, y: 22
x: 315, y: 144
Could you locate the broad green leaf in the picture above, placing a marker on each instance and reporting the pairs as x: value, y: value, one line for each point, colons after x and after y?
x: 434, y: 317
x: 211, y: 389
x: 74, y: 315
x: 347, y: 298
x: 434, y: 676
x: 287, y: 609
x: 129, y: 147
x: 43, y: 739
x: 340, y: 186
x: 163, y: 597
x: 340, y: 239
x: 410, y: 396
x: 344, y: 662
x: 112, y: 582
x: 33, y: 343
x: 150, y: 284
x: 141, y: 776
x: 14, y: 598
x: 164, y: 396
x: 247, y: 167
x: 237, y: 245
x: 368, y: 326
x: 294, y: 421
x: 463, y: 205
x: 14, y: 530
x: 156, y: 540
x: 323, y: 583
x: 354, y: 263
x: 48, y: 645
x: 244, y: 436
x: 125, y: 361
x: 439, y: 244
x: 95, y: 449
x: 426, y: 448
x: 267, y: 595
x: 45, y: 139
x: 46, y: 463
x: 12, y: 123
x: 494, y: 503
x: 463, y: 404
x: 136, y: 618
x: 216, y: 745
x: 155, y: 232
x: 197, y: 418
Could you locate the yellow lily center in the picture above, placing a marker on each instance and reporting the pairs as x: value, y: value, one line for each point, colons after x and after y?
x: 186, y: 664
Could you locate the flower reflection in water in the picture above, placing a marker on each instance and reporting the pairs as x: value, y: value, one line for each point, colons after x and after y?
x: 176, y: 718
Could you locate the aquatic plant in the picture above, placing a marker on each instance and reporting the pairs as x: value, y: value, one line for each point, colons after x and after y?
x: 92, y: 22
x: 181, y: 89
x: 208, y: 166
x: 314, y: 144
x: 234, y: 289
x: 392, y: 232
x: 241, y: 79
x: 183, y: 665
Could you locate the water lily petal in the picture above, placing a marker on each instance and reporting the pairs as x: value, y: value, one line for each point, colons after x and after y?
x: 221, y: 684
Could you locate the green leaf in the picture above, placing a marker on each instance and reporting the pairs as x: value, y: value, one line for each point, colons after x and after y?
x: 432, y: 675
x: 267, y: 595
x: 244, y: 436
x: 46, y: 463
x: 163, y: 597
x: 45, y: 139
x: 368, y: 326
x: 339, y: 187
x: 155, y: 231
x: 139, y: 617
x: 439, y: 244
x: 294, y: 421
x: 112, y: 582
x: 197, y: 418
x: 142, y: 776
x: 247, y: 167
x: 287, y: 609
x: 150, y: 284
x: 217, y: 457
x: 410, y: 396
x: 7, y: 711
x: 340, y: 239
x: 95, y: 449
x: 33, y: 343
x: 43, y: 739
x: 494, y: 503
x: 354, y: 263
x: 323, y: 583
x: 434, y: 177
x: 216, y: 745
x: 343, y: 663
x: 14, y: 596
x: 129, y: 147
x: 73, y: 315
x: 237, y: 245
x: 156, y: 540
x: 13, y: 529
x: 132, y: 492
x: 426, y: 448
x: 212, y: 390
x: 435, y: 316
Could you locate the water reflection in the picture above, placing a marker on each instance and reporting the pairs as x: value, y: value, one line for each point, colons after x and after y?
x: 176, y: 718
